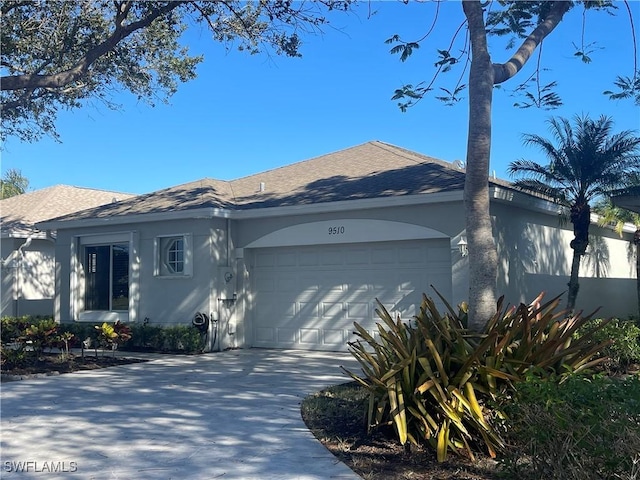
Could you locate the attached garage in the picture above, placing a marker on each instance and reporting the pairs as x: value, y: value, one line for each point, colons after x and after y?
x: 307, y: 297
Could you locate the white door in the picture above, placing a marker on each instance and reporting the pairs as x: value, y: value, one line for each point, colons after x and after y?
x: 308, y: 297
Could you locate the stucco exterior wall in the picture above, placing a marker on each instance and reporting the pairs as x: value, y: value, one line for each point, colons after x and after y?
x: 535, y: 256
x: 28, y: 285
x: 161, y: 300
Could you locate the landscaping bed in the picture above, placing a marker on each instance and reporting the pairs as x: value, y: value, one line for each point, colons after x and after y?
x: 55, y: 364
x: 336, y: 416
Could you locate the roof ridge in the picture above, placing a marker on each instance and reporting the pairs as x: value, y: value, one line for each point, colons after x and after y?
x: 300, y: 162
x: 412, y: 155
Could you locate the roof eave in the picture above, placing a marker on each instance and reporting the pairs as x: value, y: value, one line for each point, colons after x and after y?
x: 499, y: 193
x: 207, y: 212
x: 524, y: 200
x: 328, y: 207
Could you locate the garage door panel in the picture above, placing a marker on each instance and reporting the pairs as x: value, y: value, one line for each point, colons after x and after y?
x: 411, y: 255
x: 265, y: 284
x: 358, y: 311
x: 320, y: 291
x: 308, y: 259
x: 286, y: 336
x: 279, y: 309
x: 383, y: 256
x: 308, y: 310
x: 333, y: 336
x: 265, y: 334
x: 288, y: 283
x: 310, y: 336
x: 333, y: 258
x: 358, y: 256
x: 287, y: 259
x: 265, y: 258
x: 333, y: 311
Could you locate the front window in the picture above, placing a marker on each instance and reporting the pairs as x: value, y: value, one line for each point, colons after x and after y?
x: 106, y: 277
x: 173, y: 256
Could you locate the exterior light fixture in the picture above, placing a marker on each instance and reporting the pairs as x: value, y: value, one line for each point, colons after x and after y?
x: 462, y: 247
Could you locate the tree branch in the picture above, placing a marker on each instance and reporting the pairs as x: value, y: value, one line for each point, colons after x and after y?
x: 504, y: 71
x: 56, y: 80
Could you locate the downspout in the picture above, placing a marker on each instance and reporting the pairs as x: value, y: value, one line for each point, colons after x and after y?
x: 220, y: 300
x: 228, y: 243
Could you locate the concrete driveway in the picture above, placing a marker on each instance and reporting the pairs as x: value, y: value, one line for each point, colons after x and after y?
x: 228, y: 415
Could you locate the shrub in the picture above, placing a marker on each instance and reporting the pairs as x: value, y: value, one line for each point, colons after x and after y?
x: 133, y: 337
x: 12, y: 357
x: 12, y: 328
x: 81, y: 332
x: 40, y: 335
x: 174, y: 338
x: 582, y: 428
x: 112, y: 336
x: 625, y: 347
x: 438, y: 382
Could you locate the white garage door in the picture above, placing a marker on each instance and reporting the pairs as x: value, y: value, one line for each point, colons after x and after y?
x: 308, y: 297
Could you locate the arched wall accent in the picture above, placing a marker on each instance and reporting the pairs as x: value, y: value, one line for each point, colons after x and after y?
x: 344, y: 231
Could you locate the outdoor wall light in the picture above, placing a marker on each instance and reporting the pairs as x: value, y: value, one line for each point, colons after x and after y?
x: 463, y: 247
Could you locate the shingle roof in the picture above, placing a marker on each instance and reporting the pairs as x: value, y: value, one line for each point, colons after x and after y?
x: 374, y: 169
x: 370, y: 170
x: 20, y: 213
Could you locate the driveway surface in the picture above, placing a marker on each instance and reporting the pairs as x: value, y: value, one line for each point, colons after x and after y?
x: 228, y: 415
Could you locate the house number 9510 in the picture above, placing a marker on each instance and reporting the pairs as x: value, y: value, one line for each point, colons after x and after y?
x: 339, y: 230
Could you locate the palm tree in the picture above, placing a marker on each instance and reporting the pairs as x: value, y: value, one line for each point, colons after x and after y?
x: 585, y: 163
x: 617, y: 217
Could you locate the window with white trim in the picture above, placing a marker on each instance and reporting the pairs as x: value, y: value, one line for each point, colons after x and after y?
x: 173, y: 256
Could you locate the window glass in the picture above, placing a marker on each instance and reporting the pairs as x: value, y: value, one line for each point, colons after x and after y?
x: 106, y: 277
x: 120, y: 277
x: 175, y: 255
x: 172, y: 258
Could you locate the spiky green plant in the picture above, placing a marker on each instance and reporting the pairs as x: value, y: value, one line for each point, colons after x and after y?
x: 435, y: 381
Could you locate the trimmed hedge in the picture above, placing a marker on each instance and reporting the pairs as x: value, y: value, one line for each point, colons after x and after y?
x: 184, y: 339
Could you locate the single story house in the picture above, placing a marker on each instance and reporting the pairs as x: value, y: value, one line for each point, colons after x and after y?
x: 291, y: 257
x: 27, y: 264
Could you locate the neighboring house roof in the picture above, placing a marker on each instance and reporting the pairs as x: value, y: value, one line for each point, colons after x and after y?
x: 371, y: 170
x: 630, y: 199
x: 20, y: 213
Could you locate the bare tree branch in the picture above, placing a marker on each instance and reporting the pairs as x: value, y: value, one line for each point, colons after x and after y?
x: 504, y: 71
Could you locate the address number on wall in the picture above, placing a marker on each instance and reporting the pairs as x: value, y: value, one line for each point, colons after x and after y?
x: 336, y: 230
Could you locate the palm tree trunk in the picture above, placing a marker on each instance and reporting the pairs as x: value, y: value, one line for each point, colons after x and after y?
x: 573, y: 284
x: 483, y: 257
x: 581, y: 219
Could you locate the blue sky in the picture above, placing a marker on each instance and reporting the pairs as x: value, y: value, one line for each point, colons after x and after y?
x: 245, y: 114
